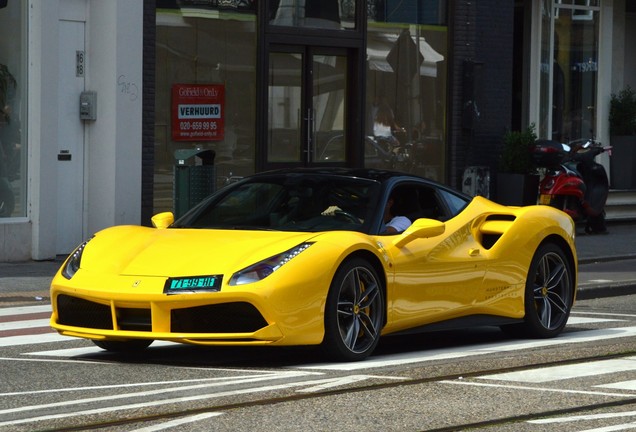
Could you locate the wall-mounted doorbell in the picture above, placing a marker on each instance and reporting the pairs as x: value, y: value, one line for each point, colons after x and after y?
x: 88, y: 105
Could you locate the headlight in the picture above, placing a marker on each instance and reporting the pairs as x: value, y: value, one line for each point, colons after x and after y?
x: 262, y: 269
x: 72, y: 264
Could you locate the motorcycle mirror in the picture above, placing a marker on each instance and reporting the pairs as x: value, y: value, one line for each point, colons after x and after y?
x: 566, y: 148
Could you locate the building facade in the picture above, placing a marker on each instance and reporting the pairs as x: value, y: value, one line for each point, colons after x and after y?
x: 101, y: 99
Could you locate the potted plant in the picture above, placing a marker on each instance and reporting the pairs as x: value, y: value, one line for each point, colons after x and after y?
x: 517, y: 180
x: 622, y: 122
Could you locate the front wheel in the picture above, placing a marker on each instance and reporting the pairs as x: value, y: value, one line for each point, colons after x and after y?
x: 354, y: 312
x: 549, y: 294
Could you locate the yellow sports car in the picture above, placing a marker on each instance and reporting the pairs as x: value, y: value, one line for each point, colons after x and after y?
x: 330, y: 257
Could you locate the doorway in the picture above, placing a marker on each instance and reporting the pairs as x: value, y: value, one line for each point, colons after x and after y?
x: 308, y: 101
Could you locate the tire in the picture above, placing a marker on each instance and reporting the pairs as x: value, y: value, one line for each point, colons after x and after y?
x: 549, y: 295
x: 125, y: 346
x: 354, y: 312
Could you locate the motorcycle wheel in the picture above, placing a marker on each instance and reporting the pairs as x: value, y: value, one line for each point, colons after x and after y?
x: 596, y: 224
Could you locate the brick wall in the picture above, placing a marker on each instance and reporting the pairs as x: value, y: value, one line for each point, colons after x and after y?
x: 148, y: 116
x: 482, y: 32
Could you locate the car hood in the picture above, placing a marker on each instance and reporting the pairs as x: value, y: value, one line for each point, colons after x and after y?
x: 141, y: 251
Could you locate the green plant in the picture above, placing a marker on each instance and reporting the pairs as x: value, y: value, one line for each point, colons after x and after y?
x: 516, y: 154
x: 622, y: 117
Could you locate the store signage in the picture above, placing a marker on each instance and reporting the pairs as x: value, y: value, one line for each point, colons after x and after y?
x: 198, y: 112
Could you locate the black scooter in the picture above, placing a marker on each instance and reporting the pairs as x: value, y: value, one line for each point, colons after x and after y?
x: 574, y: 182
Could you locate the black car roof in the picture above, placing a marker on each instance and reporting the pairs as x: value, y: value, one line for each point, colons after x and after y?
x: 385, y: 177
x: 365, y: 173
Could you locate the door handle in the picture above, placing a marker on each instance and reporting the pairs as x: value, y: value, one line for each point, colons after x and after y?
x: 310, y: 133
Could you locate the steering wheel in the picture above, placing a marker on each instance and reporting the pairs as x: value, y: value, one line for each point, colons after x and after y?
x: 347, y: 216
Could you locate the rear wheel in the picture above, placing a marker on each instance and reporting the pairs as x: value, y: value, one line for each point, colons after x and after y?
x: 354, y: 312
x: 130, y: 345
x: 549, y: 294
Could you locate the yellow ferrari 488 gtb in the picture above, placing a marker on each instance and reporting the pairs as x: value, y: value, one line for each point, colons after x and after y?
x: 330, y: 257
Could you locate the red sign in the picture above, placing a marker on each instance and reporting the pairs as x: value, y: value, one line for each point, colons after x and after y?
x: 198, y: 112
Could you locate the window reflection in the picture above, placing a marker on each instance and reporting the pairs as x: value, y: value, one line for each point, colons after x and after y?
x: 325, y: 14
x: 209, y: 45
x: 13, y: 150
x: 406, y: 87
x: 569, y: 71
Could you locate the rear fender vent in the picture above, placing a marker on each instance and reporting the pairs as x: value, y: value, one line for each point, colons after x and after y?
x: 493, y: 227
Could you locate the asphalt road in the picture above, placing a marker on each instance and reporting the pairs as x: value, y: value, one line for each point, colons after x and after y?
x: 476, y: 379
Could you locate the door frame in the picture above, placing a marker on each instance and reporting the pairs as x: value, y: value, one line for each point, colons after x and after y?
x: 352, y: 41
x: 307, y: 143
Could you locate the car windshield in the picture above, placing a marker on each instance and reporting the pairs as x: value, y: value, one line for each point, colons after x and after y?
x: 302, y: 202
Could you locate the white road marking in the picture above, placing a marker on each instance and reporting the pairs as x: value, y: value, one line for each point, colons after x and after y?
x: 250, y: 374
x: 588, y: 320
x: 164, y: 390
x: 478, y: 349
x: 583, y: 417
x: 13, y: 325
x: 540, y: 389
x: 74, y: 361
x: 341, y: 381
x: 623, y: 385
x: 604, y: 314
x: 73, y: 352
x: 23, y: 310
x: 141, y: 405
x: 595, y: 281
x: 612, y: 428
x: 32, y: 339
x: 570, y: 371
x: 178, y: 422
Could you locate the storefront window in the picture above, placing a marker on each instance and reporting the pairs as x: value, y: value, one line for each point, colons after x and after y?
x: 324, y: 14
x: 13, y: 152
x: 569, y: 76
x: 407, y: 48
x: 205, y: 88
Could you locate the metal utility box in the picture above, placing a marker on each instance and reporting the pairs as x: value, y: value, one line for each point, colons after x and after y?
x: 194, y: 178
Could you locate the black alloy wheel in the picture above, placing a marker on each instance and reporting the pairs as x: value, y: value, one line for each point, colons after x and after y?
x: 354, y: 313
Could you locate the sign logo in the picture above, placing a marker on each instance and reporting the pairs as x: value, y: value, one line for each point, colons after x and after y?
x: 198, y: 112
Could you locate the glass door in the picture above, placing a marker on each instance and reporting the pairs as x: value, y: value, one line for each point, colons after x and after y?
x: 569, y: 70
x: 307, y: 106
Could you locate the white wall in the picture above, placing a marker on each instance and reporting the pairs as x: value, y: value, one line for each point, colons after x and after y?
x: 113, y: 142
x: 115, y: 43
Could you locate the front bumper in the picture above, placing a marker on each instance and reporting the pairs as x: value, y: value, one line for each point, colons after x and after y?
x: 233, y: 316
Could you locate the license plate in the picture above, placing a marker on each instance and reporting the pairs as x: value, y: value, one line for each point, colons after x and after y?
x: 193, y: 283
x: 545, y: 199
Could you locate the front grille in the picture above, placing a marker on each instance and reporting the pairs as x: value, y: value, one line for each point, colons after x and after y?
x: 222, y: 318
x: 77, y: 312
x: 134, y: 319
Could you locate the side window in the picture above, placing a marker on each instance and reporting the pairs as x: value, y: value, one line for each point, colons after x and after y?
x: 417, y: 201
x: 454, y: 202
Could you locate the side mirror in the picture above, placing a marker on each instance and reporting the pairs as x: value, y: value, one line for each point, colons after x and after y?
x: 421, y: 228
x: 162, y: 220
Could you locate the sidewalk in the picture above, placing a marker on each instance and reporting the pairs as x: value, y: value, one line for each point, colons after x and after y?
x: 620, y: 243
x: 26, y: 282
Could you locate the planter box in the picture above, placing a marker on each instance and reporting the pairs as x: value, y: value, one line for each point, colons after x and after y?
x: 623, y: 162
x: 517, y: 189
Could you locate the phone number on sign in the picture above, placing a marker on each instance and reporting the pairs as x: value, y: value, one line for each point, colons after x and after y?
x: 186, y: 125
